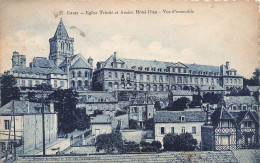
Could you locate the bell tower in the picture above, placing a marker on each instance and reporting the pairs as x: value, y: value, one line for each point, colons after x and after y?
x: 61, y: 45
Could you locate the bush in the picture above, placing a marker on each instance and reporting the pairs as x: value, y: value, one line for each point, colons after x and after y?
x: 155, y: 146
x: 131, y: 146
x: 110, y: 142
x: 182, y: 142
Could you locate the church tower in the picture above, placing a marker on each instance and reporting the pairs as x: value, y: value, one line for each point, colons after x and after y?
x: 61, y: 45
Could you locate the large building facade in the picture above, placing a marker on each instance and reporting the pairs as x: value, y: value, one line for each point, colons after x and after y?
x: 144, y: 75
x: 62, y: 70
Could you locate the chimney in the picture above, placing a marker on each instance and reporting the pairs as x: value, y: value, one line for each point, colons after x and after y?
x: 227, y: 65
x: 90, y: 61
x: 52, y: 107
x: 115, y: 55
x: 27, y: 105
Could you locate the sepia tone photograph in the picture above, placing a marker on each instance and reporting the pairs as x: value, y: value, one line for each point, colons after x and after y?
x: 129, y: 81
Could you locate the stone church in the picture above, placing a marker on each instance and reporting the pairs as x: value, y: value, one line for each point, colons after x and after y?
x: 63, y: 69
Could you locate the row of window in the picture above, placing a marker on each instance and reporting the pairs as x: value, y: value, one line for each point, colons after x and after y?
x: 236, y: 81
x: 79, y: 83
x: 183, y: 130
x: 174, y: 69
x: 161, y: 78
x: 79, y: 74
x: 148, y: 87
x: 244, y: 107
x: 65, y: 46
x: 37, y: 82
x: 24, y: 74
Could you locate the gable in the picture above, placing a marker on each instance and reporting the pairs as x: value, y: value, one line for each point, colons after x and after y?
x: 179, y: 65
x: 79, y: 62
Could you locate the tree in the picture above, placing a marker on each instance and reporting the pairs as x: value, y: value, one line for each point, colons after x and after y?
x: 196, y: 101
x: 65, y: 104
x: 182, y: 142
x: 179, y: 105
x: 211, y: 98
x: 132, y: 124
x: 119, y: 112
x: 8, y: 89
x: 110, y: 142
x: 254, y: 80
x: 131, y: 146
x: 244, y: 92
x: 82, y: 119
x: 149, y: 123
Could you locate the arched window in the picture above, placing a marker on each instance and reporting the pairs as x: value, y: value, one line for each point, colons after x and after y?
x: 86, y: 83
x: 161, y: 87
x: 79, y: 73
x: 154, y: 88
x: 73, y: 83
x: 79, y: 83
x: 110, y: 85
x: 128, y: 85
x: 116, y: 85
x: 123, y: 85
x: 201, y: 80
x: 141, y: 87
x: 148, y: 87
x: 86, y: 74
x: 141, y: 77
x: 73, y: 74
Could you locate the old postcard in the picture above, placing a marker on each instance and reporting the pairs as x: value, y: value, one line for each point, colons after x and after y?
x: 129, y: 81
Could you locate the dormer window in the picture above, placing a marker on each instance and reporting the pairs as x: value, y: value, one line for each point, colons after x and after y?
x: 183, y: 119
x: 244, y: 107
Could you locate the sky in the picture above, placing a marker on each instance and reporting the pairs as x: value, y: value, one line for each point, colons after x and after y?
x: 214, y: 33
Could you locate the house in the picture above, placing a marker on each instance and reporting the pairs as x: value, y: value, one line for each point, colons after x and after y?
x: 27, y: 118
x: 231, y: 130
x: 92, y: 101
x: 178, y: 122
x: 141, y: 110
x: 150, y: 75
x: 101, y: 124
x: 241, y: 103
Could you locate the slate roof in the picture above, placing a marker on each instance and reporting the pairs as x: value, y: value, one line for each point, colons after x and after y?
x: 174, y: 116
x: 37, y: 70
x: 129, y: 63
x: 61, y: 31
x: 239, y: 100
x: 103, y: 119
x: 101, y: 95
x: 56, y: 71
x: 21, y: 108
x: 42, y: 62
x: 221, y: 114
x: 212, y: 88
x: 253, y: 88
x: 30, y: 70
x: 80, y: 63
x: 239, y: 115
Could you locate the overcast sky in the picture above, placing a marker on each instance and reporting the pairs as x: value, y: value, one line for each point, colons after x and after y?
x: 215, y: 33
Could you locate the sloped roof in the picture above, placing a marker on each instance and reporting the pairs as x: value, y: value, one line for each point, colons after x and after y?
x: 174, y: 116
x: 212, y: 88
x: 253, y: 88
x: 29, y: 70
x: 56, y: 70
x: 221, y: 114
x: 129, y: 63
x: 61, y: 31
x: 21, y: 107
x: 42, y: 62
x: 80, y: 63
x: 104, y: 119
x: 239, y: 100
x: 240, y: 115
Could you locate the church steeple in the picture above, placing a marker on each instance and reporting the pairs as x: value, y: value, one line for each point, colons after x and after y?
x: 61, y: 31
x: 61, y: 45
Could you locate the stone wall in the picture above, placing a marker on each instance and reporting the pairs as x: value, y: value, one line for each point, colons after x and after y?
x: 207, y: 138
